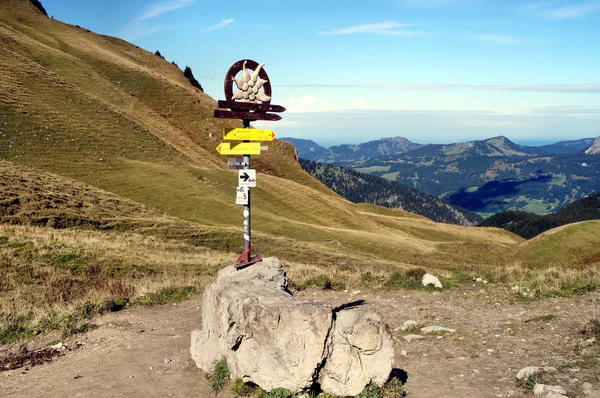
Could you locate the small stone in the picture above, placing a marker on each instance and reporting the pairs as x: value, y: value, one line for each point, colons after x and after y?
x: 432, y: 329
x: 587, y: 342
x: 547, y: 391
x: 485, y: 282
x: 490, y: 350
x: 403, y: 353
x: 429, y: 279
x: 527, y: 371
x: 58, y: 346
x: 479, y: 280
x: 408, y: 324
x: 410, y: 337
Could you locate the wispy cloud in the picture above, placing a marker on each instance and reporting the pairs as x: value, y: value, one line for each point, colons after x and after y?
x: 156, y: 9
x: 136, y: 32
x: 436, y: 3
x: 585, y: 88
x: 498, y: 39
x: 222, y: 24
x: 538, y: 5
x: 381, y: 28
x: 567, y: 110
x: 572, y: 11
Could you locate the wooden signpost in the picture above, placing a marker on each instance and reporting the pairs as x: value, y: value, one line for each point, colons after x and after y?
x: 251, y: 101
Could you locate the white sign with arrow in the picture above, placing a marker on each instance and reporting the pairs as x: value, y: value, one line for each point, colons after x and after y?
x: 247, y: 178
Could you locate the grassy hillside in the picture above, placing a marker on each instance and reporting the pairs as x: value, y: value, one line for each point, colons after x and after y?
x: 528, y: 225
x: 112, y: 189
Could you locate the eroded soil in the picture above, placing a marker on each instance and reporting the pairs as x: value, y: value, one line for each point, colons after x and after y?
x: 144, y: 352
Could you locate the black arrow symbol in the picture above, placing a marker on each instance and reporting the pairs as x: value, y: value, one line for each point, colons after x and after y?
x: 245, y: 177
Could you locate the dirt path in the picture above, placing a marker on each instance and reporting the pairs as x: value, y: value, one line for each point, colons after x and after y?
x: 145, y: 351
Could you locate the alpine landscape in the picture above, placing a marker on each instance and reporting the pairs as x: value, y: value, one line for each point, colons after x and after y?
x: 116, y: 211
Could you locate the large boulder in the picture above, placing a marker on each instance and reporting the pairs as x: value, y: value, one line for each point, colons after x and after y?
x: 266, y: 336
x: 273, y: 340
x: 361, y: 351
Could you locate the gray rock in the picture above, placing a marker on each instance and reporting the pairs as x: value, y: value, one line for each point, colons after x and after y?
x: 410, y: 337
x: 273, y: 340
x: 408, y: 324
x: 429, y: 279
x: 361, y: 351
x: 531, y: 370
x: 587, y: 343
x: 544, y: 390
x: 433, y: 329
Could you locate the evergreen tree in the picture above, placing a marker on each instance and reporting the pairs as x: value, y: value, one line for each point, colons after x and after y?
x: 190, y: 76
x: 37, y: 4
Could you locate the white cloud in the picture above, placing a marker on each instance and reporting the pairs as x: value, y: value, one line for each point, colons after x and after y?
x: 584, y: 88
x: 567, y: 110
x: 572, y: 11
x: 301, y: 104
x: 381, y: 28
x: 281, y: 123
x: 136, y: 32
x: 222, y: 24
x: 498, y: 39
x: 156, y: 9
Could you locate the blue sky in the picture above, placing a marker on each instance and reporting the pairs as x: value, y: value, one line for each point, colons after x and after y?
x: 354, y: 71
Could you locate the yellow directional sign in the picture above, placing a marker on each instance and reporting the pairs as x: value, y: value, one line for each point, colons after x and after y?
x: 244, y: 148
x: 240, y: 134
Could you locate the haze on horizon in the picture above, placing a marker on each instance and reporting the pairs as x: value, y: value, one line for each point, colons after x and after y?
x: 433, y: 71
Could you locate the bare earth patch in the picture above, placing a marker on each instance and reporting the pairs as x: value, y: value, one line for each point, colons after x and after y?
x: 145, y: 351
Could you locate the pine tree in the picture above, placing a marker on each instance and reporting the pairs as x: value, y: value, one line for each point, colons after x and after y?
x: 37, y: 4
x: 190, y: 76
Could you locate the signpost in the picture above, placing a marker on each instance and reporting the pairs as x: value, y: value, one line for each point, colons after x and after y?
x: 242, y: 195
x: 251, y: 101
x: 237, y: 163
x: 249, y: 134
x: 247, y: 178
x: 245, y: 148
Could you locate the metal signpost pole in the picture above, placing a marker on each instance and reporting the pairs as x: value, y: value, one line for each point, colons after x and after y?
x: 247, y: 229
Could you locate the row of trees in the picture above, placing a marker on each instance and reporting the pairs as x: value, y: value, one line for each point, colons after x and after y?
x: 187, y: 72
x: 529, y: 225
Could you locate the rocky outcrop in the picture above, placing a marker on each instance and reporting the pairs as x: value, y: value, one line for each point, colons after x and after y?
x: 273, y: 340
x: 594, y: 149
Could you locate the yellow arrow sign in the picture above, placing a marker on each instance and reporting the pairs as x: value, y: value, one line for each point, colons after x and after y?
x: 244, y: 148
x: 240, y: 134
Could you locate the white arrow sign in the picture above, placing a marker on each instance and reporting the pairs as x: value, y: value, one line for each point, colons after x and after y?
x: 247, y: 178
x: 242, y: 196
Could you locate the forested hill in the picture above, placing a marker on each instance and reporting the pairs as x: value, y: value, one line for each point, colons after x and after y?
x: 365, y: 188
x: 529, y: 225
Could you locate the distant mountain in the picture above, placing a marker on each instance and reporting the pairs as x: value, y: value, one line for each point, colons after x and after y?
x: 563, y: 147
x: 365, y: 188
x: 528, y: 225
x: 342, y: 154
x: 492, y: 175
x: 594, y: 149
x: 496, y: 146
x: 307, y: 148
